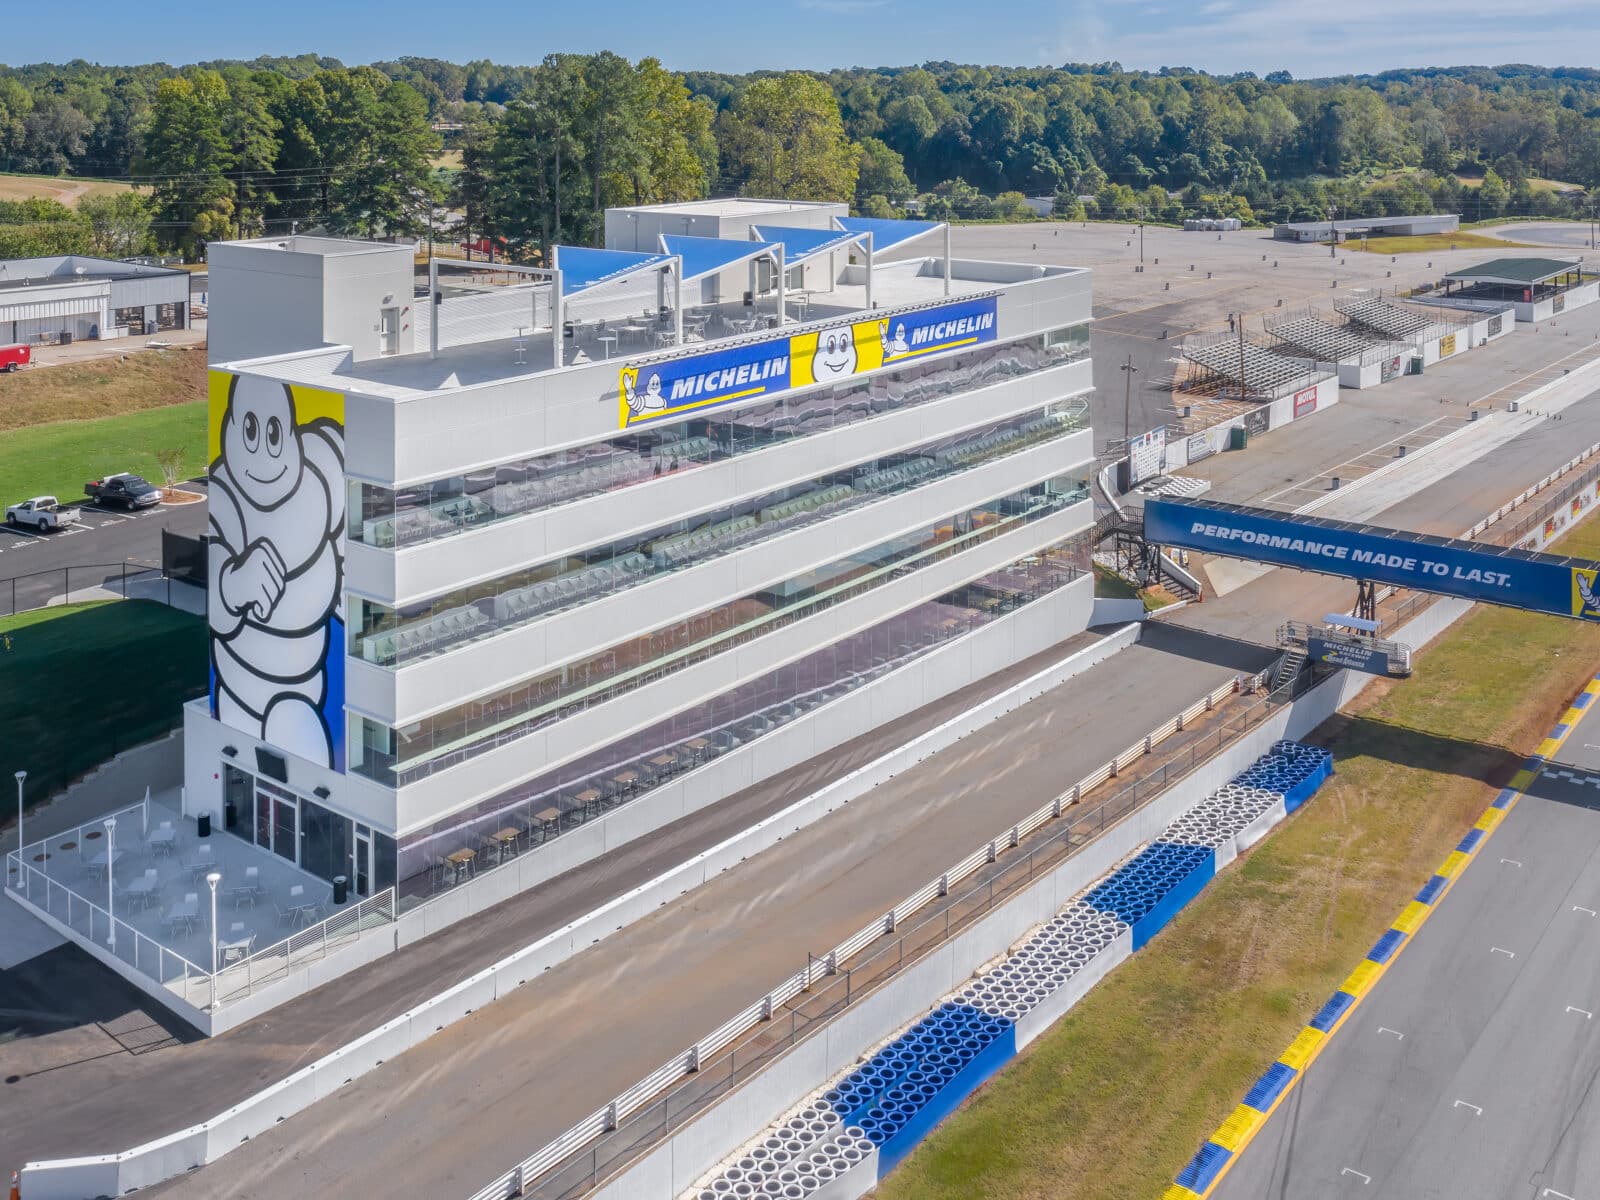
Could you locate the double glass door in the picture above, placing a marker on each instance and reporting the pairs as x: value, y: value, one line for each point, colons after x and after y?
x: 277, y: 821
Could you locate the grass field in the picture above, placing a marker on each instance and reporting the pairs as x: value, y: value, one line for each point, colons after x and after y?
x: 1112, y: 1102
x: 58, y: 459
x: 1110, y: 586
x: 1432, y: 242
x: 56, y: 187
x: 103, y: 387
x: 80, y: 682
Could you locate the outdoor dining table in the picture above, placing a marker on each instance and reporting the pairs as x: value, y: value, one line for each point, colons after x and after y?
x: 143, y: 890
x: 183, y: 912
x: 608, y: 340
x: 460, y: 862
x: 98, y: 864
x: 505, y: 841
x: 697, y: 746
x: 625, y: 779
x: 163, y: 841
x: 547, y: 818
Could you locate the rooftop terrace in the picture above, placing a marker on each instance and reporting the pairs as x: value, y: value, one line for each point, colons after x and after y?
x: 501, y: 328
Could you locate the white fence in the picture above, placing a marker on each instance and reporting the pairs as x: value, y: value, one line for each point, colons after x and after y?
x: 688, y: 1061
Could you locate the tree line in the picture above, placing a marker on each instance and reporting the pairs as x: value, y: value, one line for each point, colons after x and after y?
x: 530, y: 155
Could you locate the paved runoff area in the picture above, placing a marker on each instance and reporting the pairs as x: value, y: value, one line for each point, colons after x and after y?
x: 1468, y: 1071
x: 483, y: 1093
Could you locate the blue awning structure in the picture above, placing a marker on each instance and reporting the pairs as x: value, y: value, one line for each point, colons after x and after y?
x: 886, y: 232
x: 801, y: 244
x: 583, y: 267
x: 704, y: 256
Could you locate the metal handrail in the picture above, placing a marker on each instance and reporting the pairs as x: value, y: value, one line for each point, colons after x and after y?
x: 513, y: 1181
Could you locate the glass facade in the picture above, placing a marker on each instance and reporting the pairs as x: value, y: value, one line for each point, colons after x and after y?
x: 390, y: 638
x: 561, y: 799
x: 313, y: 837
x: 390, y: 518
x: 466, y: 730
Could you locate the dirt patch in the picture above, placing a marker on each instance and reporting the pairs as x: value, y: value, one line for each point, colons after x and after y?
x: 103, y: 387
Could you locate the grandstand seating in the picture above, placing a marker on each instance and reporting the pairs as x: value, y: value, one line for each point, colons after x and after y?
x: 906, y: 1087
x: 1325, y: 342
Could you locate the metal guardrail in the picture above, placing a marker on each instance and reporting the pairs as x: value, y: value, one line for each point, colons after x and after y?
x: 40, y: 589
x: 195, y: 984
x: 694, y: 1059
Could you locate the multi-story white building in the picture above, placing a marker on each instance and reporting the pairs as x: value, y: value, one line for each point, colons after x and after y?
x: 539, y: 562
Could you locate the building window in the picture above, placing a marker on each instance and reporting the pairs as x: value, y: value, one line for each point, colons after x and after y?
x: 488, y: 722
x: 562, y: 799
x: 391, y: 518
x: 391, y: 638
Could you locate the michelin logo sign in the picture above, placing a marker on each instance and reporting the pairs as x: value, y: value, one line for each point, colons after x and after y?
x: 1543, y: 584
x: 671, y: 388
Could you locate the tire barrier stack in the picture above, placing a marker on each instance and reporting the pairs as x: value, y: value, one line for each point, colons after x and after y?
x: 1294, y: 769
x: 890, y: 1102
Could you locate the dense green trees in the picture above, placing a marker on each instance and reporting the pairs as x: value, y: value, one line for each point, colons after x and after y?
x: 227, y: 148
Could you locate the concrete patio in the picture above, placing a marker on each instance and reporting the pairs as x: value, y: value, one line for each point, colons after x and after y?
x: 269, y: 913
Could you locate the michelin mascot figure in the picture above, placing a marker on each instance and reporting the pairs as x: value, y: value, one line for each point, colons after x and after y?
x: 277, y: 620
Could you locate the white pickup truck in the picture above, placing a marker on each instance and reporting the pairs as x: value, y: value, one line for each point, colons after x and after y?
x: 40, y: 514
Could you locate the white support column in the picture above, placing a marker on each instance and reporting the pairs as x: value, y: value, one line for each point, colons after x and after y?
x: 947, y: 258
x: 433, y: 308
x: 783, y: 294
x: 869, y: 272
x: 677, y: 301
x: 558, y: 319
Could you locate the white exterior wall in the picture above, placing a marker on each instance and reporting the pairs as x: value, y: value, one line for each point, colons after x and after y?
x: 412, y: 692
x: 416, y: 572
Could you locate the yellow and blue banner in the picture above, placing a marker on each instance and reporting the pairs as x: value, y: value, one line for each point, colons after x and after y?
x: 658, y: 390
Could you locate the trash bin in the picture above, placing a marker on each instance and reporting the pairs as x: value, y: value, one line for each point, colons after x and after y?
x: 1238, y: 438
x: 204, y: 825
x: 341, y: 889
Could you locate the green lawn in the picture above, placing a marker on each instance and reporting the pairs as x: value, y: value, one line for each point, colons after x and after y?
x: 81, y: 682
x: 59, y: 458
x: 1112, y: 1101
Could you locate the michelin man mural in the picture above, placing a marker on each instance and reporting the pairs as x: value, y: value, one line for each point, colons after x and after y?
x: 646, y: 400
x: 835, y: 357
x: 895, y: 346
x: 277, y: 564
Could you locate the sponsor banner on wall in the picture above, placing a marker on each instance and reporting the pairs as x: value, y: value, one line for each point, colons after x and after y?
x: 276, y: 563
x: 1389, y: 369
x: 1546, y: 584
x: 1496, y: 324
x: 1356, y: 655
x: 1447, y: 345
x: 696, y: 382
x: 1199, y: 447
x: 1258, y: 422
x: 1305, y: 401
x: 1147, y: 455
x: 1559, y: 302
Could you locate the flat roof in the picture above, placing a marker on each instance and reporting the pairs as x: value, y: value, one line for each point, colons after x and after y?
x: 731, y: 206
x: 1353, y: 223
x: 57, y: 270
x: 327, y: 247
x: 1519, y: 272
x: 909, y: 283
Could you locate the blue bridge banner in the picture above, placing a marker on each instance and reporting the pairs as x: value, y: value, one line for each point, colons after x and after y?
x: 1546, y: 583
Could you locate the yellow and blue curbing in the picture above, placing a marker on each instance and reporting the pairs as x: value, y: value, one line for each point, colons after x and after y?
x: 1200, y: 1177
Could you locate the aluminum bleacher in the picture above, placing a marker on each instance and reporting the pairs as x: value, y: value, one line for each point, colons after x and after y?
x: 1261, y: 373
x: 1372, y: 311
x: 1313, y: 337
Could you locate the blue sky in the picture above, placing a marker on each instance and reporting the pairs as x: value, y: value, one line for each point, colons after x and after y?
x: 1307, y: 37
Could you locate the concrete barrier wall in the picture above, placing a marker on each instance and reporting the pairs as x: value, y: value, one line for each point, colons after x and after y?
x: 148, y: 1164
x: 700, y: 1146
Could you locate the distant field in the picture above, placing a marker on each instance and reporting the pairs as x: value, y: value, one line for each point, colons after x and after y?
x: 449, y: 160
x: 102, y: 387
x: 1434, y: 242
x: 150, y: 657
x: 53, y: 187
x: 58, y: 459
x: 1111, y: 1102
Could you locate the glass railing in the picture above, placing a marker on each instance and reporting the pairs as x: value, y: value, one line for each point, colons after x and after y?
x: 391, y: 638
x: 464, y: 731
x: 392, y: 519
x: 563, y: 799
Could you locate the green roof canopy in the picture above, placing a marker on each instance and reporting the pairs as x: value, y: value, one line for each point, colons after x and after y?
x: 1516, y: 272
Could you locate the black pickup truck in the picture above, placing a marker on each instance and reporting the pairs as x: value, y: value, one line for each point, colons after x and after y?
x: 129, y: 491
